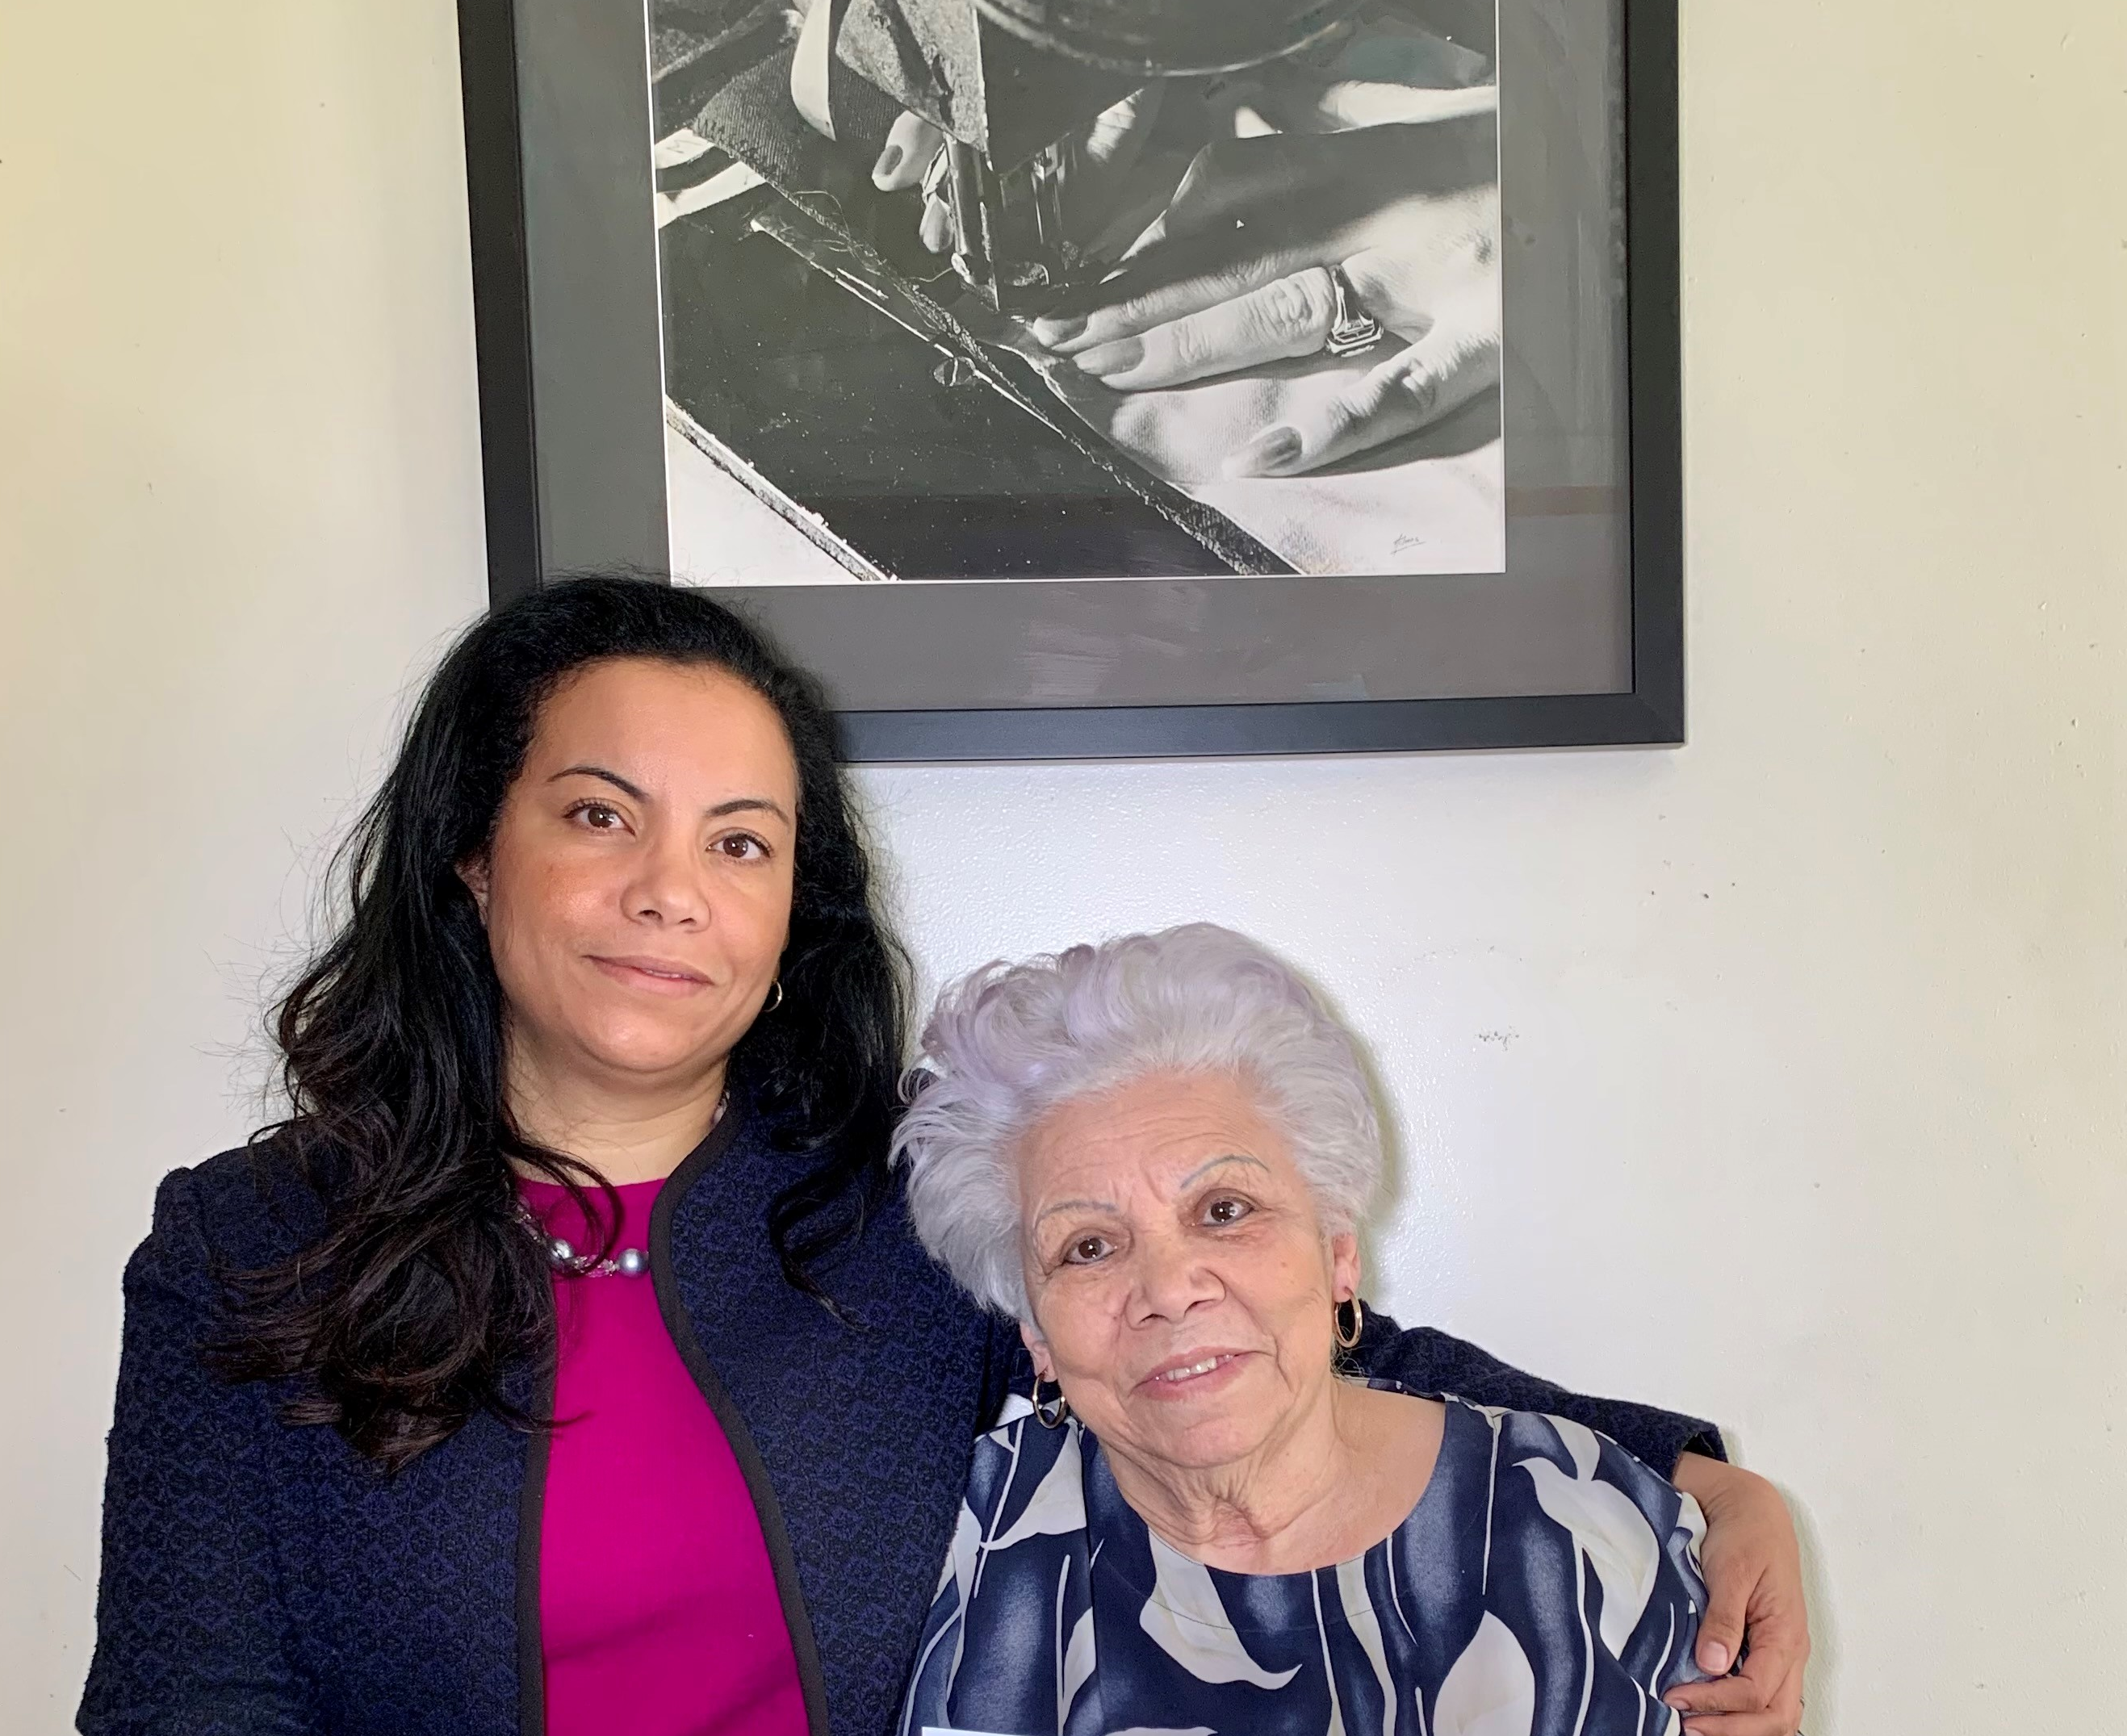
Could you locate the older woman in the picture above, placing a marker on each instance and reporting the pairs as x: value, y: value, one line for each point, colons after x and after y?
x: 1156, y: 1154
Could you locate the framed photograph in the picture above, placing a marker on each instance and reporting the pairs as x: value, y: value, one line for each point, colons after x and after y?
x: 1071, y: 379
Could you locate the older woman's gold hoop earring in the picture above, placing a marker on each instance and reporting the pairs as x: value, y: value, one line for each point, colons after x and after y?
x: 777, y: 1000
x: 1050, y: 1413
x: 1349, y: 1340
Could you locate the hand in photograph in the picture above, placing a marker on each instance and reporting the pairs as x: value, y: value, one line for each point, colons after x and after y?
x: 1241, y: 272
x: 1108, y: 151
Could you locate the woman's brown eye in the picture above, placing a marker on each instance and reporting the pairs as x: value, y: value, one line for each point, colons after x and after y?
x: 1228, y: 1211
x: 1087, y: 1250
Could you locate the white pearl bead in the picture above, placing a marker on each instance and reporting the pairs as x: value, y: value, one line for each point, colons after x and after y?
x: 634, y: 1262
x: 560, y: 1252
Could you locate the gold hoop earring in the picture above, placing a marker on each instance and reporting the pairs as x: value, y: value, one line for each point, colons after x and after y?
x: 777, y: 1000
x: 1349, y: 1340
x: 1050, y: 1414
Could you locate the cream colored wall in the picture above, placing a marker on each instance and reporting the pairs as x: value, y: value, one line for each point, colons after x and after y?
x: 1781, y: 1077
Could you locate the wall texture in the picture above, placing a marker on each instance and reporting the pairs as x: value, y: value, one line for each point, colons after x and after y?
x: 1779, y: 1078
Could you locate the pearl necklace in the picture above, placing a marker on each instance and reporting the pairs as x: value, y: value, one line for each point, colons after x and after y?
x: 562, y: 1257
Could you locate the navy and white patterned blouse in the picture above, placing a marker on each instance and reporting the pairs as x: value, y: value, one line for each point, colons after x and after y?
x: 1546, y: 1584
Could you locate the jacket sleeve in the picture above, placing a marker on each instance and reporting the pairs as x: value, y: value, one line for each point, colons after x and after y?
x: 191, y: 1628
x: 1430, y: 1361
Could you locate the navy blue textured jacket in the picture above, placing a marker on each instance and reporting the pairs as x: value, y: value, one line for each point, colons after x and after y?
x: 259, y: 1577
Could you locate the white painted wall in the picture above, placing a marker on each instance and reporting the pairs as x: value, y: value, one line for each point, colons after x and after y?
x: 1781, y: 1077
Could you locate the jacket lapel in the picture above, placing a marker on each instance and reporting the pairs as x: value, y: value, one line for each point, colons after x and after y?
x: 855, y: 1434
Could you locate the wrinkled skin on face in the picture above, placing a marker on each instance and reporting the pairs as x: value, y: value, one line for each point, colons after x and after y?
x: 1183, y: 1288
x: 1182, y: 1283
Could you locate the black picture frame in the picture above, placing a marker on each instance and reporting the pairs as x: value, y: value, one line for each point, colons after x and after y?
x: 564, y: 273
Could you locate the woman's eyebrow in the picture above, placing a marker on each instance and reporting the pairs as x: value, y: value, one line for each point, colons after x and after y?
x: 749, y: 805
x: 614, y: 778
x: 1073, y: 1205
x: 1206, y: 1169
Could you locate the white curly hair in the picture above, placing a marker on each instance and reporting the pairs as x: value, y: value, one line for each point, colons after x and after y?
x: 1008, y: 1042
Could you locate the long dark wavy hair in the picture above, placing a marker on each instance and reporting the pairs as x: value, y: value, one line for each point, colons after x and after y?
x: 403, y: 1320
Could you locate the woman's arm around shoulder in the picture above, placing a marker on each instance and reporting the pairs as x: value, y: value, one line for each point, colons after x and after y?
x: 190, y: 1626
x: 1431, y: 1361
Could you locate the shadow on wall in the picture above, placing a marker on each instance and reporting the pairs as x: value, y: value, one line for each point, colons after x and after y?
x: 1821, y: 1678
x: 1821, y: 1682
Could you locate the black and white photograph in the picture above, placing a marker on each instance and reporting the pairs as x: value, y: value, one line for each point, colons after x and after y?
x: 1097, y: 378
x: 1028, y: 290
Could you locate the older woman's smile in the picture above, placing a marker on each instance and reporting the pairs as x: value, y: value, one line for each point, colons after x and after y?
x: 1195, y: 1375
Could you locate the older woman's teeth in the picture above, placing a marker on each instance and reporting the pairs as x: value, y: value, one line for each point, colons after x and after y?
x: 1204, y: 1367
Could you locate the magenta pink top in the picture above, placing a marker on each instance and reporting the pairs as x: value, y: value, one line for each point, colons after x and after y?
x: 658, y: 1611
